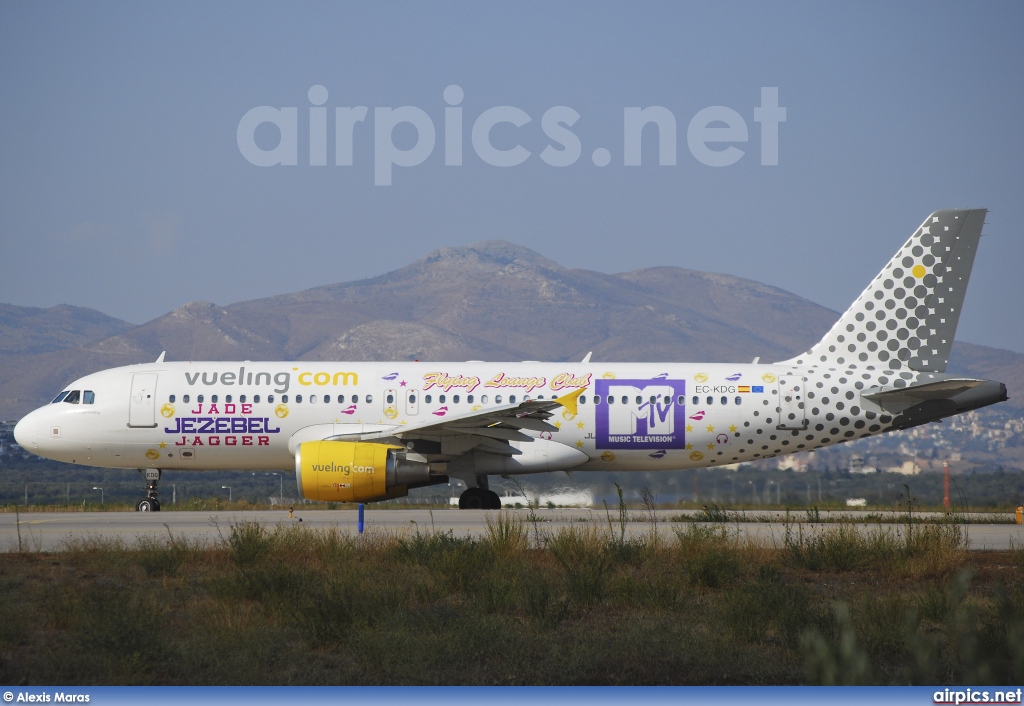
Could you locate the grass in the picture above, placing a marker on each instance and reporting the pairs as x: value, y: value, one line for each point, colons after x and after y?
x: 520, y: 605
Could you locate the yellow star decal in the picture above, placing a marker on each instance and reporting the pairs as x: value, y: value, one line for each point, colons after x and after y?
x: 579, y: 444
x: 579, y: 425
x: 710, y: 446
x: 689, y: 427
x: 163, y: 444
x: 689, y: 446
x: 558, y: 425
x: 732, y: 427
x: 711, y: 427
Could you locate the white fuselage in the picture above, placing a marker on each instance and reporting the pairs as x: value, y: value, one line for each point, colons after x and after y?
x: 248, y: 416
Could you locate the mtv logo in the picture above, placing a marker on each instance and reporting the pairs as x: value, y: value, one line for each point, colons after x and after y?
x: 640, y: 414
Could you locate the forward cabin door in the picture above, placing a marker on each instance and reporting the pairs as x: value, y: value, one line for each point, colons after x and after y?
x: 142, y: 404
x: 792, y: 395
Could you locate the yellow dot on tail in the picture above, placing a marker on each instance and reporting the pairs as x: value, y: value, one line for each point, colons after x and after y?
x: 918, y: 271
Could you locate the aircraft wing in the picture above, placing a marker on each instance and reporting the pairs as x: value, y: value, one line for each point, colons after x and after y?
x: 488, y: 430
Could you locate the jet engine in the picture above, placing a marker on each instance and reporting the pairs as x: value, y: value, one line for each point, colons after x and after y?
x: 354, y: 471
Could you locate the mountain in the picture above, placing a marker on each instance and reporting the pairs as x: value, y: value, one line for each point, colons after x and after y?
x: 26, y: 330
x: 492, y: 300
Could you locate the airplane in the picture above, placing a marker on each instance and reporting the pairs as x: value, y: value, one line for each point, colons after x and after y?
x: 369, y: 431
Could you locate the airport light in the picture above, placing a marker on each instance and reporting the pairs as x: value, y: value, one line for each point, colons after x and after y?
x: 95, y: 487
x: 280, y: 476
x: 227, y: 488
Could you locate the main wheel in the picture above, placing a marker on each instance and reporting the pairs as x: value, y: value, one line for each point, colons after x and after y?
x: 474, y: 499
x: 147, y: 505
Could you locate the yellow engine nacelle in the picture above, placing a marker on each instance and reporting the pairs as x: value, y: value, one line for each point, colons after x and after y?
x: 355, y: 471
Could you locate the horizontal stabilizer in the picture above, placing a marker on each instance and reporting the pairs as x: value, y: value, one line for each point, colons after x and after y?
x: 895, y: 400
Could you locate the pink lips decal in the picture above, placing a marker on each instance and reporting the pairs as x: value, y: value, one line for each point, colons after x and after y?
x: 698, y: 415
x: 440, y: 412
x: 351, y: 409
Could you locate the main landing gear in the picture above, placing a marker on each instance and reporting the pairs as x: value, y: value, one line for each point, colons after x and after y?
x: 149, y: 503
x: 479, y: 498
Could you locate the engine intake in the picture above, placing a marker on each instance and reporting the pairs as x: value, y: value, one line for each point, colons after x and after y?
x: 355, y: 471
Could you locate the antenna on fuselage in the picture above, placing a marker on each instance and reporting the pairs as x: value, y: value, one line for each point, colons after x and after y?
x: 586, y: 358
x: 161, y: 358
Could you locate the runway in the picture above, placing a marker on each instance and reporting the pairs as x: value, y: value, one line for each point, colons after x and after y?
x: 52, y: 531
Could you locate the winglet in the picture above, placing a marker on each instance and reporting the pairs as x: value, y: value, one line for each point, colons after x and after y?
x: 586, y: 358
x: 161, y: 358
x: 571, y: 400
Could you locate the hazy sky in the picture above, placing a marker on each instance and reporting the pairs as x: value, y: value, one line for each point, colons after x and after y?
x: 128, y: 185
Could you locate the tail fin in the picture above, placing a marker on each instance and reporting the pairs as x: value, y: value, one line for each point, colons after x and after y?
x: 907, y: 316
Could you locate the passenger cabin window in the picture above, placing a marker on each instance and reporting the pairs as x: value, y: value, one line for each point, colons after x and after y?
x: 412, y: 398
x: 696, y: 400
x: 455, y: 399
x: 214, y: 398
x: 199, y: 399
x: 725, y: 400
x: 583, y: 399
x: 428, y: 399
x: 61, y: 396
x: 270, y: 399
x: 284, y: 399
x: 170, y: 398
x: 255, y: 399
x: 711, y: 400
x: 312, y: 399
x: 440, y: 399
x: 184, y: 398
x: 739, y: 400
x: 391, y: 398
x: 680, y: 400
x: 483, y: 399
x: 512, y: 399
x: 625, y: 400
x: 341, y: 399
x: 74, y: 397
x: 611, y: 400
x: 227, y: 398
x: 89, y: 397
x: 597, y: 399
x: 298, y: 399
x: 497, y: 399
x: 469, y: 399
x: 327, y: 399
x: 241, y: 398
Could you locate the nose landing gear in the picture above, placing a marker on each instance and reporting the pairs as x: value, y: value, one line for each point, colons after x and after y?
x: 149, y: 503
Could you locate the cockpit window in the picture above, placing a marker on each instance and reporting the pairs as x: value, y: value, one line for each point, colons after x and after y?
x: 60, y: 397
x: 88, y: 397
x: 74, y: 397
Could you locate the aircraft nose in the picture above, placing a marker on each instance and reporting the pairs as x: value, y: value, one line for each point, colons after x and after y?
x: 25, y: 433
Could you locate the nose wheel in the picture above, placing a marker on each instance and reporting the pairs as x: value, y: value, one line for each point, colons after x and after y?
x: 149, y: 503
